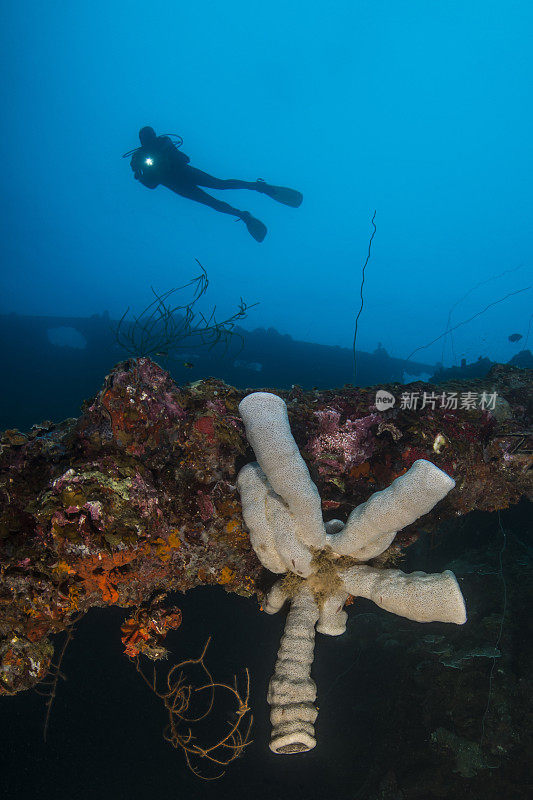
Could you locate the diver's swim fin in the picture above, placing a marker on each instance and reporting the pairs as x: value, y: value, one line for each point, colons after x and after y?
x: 289, y: 197
x: 255, y: 227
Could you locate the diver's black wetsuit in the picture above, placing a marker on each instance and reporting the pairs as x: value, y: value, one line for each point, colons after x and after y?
x: 158, y: 161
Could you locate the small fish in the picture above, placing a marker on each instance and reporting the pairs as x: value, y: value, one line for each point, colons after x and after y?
x: 515, y: 337
x: 188, y: 364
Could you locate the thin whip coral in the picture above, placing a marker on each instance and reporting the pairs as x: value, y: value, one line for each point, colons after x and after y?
x: 164, y: 326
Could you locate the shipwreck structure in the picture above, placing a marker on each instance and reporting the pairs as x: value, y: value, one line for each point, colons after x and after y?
x: 138, y: 495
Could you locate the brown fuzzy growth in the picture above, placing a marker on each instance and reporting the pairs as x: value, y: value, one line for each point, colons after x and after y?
x: 291, y: 584
x: 324, y: 581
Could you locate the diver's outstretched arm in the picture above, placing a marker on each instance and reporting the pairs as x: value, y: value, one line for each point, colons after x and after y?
x: 150, y: 184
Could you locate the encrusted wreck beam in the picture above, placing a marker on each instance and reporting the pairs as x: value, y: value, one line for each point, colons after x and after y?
x: 138, y: 494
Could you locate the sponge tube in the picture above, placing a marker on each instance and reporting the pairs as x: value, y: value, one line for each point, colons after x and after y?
x: 372, y: 526
x: 268, y: 431
x: 419, y: 596
x: 292, y: 692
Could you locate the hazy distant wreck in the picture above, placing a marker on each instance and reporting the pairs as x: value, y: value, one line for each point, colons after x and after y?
x: 139, y: 495
x: 49, y: 347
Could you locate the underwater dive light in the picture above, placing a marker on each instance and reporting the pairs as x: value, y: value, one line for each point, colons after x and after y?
x: 149, y: 162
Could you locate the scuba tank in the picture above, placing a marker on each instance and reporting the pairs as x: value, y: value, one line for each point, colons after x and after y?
x: 175, y: 138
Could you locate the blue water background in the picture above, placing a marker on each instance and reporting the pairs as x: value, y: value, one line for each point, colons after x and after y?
x: 419, y: 110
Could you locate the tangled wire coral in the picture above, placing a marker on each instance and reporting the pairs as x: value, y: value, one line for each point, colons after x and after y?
x: 177, y: 699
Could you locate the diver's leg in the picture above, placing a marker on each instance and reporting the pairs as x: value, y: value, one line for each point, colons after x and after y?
x: 255, y: 227
x: 194, y: 193
x: 289, y: 197
x: 204, y: 179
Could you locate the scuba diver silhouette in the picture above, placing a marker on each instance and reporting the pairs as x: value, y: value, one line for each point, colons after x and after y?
x: 159, y: 161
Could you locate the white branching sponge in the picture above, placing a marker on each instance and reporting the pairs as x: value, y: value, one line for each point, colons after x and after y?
x: 282, y: 510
